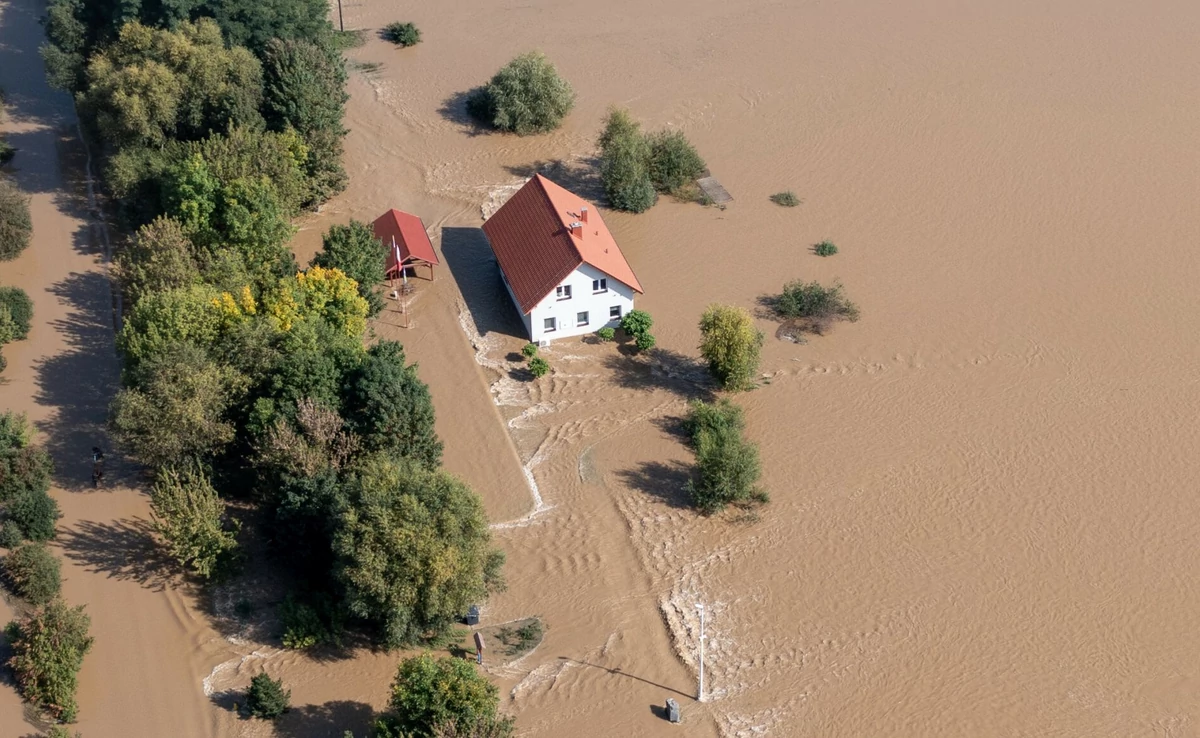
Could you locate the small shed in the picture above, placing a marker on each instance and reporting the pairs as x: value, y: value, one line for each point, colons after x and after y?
x: 406, y: 240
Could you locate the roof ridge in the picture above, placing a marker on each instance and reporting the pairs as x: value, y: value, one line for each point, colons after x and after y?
x: 541, y: 179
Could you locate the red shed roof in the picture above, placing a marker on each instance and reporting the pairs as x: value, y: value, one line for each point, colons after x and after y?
x: 543, y: 233
x: 409, y: 233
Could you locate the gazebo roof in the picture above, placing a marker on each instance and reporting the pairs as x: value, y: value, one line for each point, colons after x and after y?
x: 409, y: 234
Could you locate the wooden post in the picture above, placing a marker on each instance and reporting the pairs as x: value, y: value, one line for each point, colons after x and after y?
x: 341, y: 21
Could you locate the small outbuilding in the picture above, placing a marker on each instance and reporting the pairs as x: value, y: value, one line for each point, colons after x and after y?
x: 561, y: 265
x: 406, y: 240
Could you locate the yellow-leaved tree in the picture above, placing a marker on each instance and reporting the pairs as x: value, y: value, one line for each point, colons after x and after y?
x: 326, y: 293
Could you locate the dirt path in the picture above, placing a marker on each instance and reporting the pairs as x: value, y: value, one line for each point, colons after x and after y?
x: 151, y: 650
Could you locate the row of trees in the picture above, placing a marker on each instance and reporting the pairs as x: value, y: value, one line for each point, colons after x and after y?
x: 50, y: 642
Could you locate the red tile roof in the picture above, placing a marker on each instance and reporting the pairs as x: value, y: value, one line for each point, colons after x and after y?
x: 536, y: 246
x: 410, y: 235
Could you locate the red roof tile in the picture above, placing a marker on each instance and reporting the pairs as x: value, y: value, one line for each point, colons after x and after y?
x: 537, y: 248
x: 409, y: 234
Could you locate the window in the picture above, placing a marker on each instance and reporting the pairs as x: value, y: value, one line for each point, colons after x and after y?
x: 581, y: 319
x: 563, y: 292
x: 614, y: 311
x: 548, y: 325
x: 600, y: 285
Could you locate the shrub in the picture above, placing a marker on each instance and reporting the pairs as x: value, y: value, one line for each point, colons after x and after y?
x: 266, y: 698
x: 58, y: 731
x: 525, y: 97
x: 305, y: 626
x: 35, y: 513
x: 18, y: 308
x: 624, y: 164
x: 402, y: 34
x: 786, y: 198
x: 816, y: 305
x: 16, y: 227
x: 24, y: 467
x: 825, y: 248
x: 48, y: 649
x: 606, y: 334
x: 636, y: 322
x: 34, y: 573
x: 730, y: 344
x: 644, y: 341
x: 727, y: 466
x: 10, y: 535
x: 190, y: 517
x: 359, y: 255
x: 529, y: 350
x: 539, y: 367
x: 674, y: 162
x: 430, y: 694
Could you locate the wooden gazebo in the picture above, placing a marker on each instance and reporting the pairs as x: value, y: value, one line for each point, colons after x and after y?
x: 407, y: 243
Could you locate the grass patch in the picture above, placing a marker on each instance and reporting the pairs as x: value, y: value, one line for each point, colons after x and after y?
x: 368, y: 67
x: 786, y: 199
x: 401, y: 34
x: 342, y: 40
x: 825, y: 248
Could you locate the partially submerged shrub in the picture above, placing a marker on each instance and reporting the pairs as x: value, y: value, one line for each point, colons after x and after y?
x: 644, y: 341
x: 16, y: 227
x: 625, y: 163
x: 16, y: 314
x: 402, y: 34
x: 266, y: 698
x: 606, y: 334
x: 674, y: 162
x: 34, y: 573
x: 431, y: 694
x: 730, y: 344
x: 190, y: 517
x: 825, y: 248
x: 308, y: 626
x: 787, y: 199
x: 48, y: 649
x: 529, y: 350
x: 539, y: 367
x: 814, y: 304
x: 526, y: 96
x: 636, y: 324
x: 35, y: 513
x: 727, y: 465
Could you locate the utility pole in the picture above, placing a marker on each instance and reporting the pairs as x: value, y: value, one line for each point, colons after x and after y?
x: 700, y: 607
x: 341, y: 22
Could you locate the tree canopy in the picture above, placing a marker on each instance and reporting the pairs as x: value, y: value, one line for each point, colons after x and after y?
x: 431, y: 695
x: 525, y: 97
x: 356, y: 251
x: 390, y: 407
x: 731, y: 345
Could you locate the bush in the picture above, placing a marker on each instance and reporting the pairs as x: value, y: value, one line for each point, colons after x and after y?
x: 402, y: 34
x: 644, y: 341
x: 34, y: 573
x: 266, y: 698
x: 11, y: 536
x: 539, y: 367
x: 35, y: 513
x: 356, y: 251
x: 727, y: 466
x: 825, y: 248
x: 16, y: 313
x: 529, y: 350
x: 816, y: 305
x: 525, y: 97
x: 158, y: 258
x: 16, y: 227
x: 606, y: 334
x: 786, y: 198
x: 730, y: 344
x: 24, y: 467
x: 624, y: 164
x: 636, y: 322
x: 431, y: 694
x: 674, y: 162
x: 48, y: 649
x: 189, y: 516
x: 305, y: 626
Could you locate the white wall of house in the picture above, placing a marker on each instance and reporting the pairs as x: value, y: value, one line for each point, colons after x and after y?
x: 603, y: 307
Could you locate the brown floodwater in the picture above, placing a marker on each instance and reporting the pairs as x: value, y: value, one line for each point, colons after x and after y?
x: 983, y: 506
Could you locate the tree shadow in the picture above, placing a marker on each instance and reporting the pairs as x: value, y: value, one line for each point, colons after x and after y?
x: 661, y: 369
x: 664, y: 480
x: 124, y: 550
x: 79, y: 382
x: 581, y: 176
x: 328, y: 720
x: 454, y: 109
x: 471, y: 262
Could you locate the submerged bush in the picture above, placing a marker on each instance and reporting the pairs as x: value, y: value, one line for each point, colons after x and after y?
x: 35, y: 513
x: 34, y: 573
x: 786, y: 198
x: 727, y: 465
x: 674, y: 163
x: 624, y: 164
x: 526, y: 96
x: 825, y: 248
x: 266, y: 698
x: 431, y: 695
x: 815, y: 304
x: 16, y: 227
x: 16, y: 314
x: 402, y: 34
x: 48, y: 649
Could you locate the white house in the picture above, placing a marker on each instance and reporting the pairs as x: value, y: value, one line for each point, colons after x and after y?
x: 562, y: 268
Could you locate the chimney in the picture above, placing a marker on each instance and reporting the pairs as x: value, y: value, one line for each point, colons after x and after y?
x: 583, y: 214
x: 576, y: 229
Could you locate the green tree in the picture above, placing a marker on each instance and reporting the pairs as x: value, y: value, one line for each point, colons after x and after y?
x: 176, y: 408
x: 414, y: 550
x: 158, y: 258
x: 34, y: 573
x: 159, y: 320
x: 67, y: 44
x: 190, y: 517
x: 356, y: 251
x: 254, y: 24
x: 624, y: 163
x: 312, y: 362
x: 431, y: 696
x: 154, y: 85
x: 48, y: 648
x: 266, y: 698
x: 674, y: 163
x: 525, y: 97
x: 24, y: 468
x: 16, y: 314
x: 16, y: 227
x: 727, y: 465
x: 391, y: 408
x: 35, y: 513
x: 731, y: 345
x: 637, y: 324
